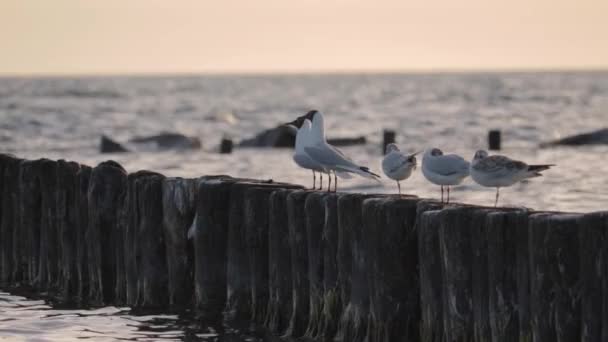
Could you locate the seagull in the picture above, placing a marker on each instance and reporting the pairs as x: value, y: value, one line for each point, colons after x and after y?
x: 302, y: 159
x: 445, y: 170
x: 499, y: 171
x: 303, y: 139
x: 398, y: 166
x: 328, y: 156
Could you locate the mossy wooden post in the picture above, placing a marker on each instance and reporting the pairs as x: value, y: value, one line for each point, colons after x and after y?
x: 593, y: 271
x: 298, y: 243
x: 431, y: 293
x: 210, y: 236
x: 392, y: 269
x: 10, y: 255
x: 315, y: 222
x: 331, y: 300
x: 554, y: 274
x: 29, y: 212
x: 239, y: 269
x: 106, y: 186
x: 68, y: 188
x: 506, y: 313
x: 353, y: 268
x: 82, y: 211
x: 279, y: 264
x: 257, y: 204
x: 179, y: 201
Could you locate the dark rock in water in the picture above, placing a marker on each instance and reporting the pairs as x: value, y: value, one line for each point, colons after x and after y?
x: 167, y: 140
x: 592, y: 138
x: 108, y: 145
x: 284, y: 136
x: 280, y: 136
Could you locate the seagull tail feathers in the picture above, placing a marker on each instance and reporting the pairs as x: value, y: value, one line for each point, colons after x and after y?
x: 535, y: 170
x: 361, y: 171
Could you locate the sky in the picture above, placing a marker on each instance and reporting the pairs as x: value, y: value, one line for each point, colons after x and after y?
x: 201, y: 36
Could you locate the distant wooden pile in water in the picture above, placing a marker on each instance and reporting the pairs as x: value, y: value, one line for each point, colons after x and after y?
x: 344, y: 267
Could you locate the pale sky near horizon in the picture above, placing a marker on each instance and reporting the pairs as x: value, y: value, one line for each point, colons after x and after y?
x: 190, y: 36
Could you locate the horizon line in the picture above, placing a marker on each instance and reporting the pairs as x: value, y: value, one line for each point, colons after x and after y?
x: 311, y: 72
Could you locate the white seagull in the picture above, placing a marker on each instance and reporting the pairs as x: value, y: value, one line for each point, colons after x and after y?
x: 398, y: 166
x: 301, y: 157
x: 329, y: 157
x: 444, y: 170
x: 499, y: 171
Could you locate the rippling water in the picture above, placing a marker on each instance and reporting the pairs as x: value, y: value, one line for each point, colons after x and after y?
x: 23, y: 319
x: 64, y: 118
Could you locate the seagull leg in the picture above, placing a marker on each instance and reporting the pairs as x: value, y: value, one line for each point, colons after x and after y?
x: 329, y: 185
x: 399, y: 187
x: 448, y: 194
x: 496, y: 201
x: 314, y: 180
x: 321, y: 181
x: 442, y: 194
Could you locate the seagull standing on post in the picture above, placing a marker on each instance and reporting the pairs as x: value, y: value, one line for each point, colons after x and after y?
x: 398, y: 166
x: 499, y: 171
x: 444, y: 170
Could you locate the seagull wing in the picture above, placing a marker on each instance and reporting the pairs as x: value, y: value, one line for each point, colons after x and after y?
x: 448, y: 165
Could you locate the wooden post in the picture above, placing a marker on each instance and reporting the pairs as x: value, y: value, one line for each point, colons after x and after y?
x: 431, y: 293
x: 388, y: 137
x: 331, y: 302
x: 68, y: 188
x: 315, y: 222
x: 494, y: 140
x: 82, y: 212
x: 179, y: 200
x: 298, y: 243
x: 594, y: 276
x: 392, y: 269
x: 226, y: 146
x: 13, y: 255
x: 210, y: 236
x: 279, y: 264
x: 554, y: 274
x: 106, y: 187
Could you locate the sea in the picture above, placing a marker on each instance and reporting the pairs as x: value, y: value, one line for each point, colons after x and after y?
x: 64, y: 118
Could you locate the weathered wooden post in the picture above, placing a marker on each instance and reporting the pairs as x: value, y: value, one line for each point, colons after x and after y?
x: 388, y: 137
x: 593, y: 276
x: 179, y: 201
x: 494, y: 139
x: 106, y: 186
x: 257, y: 222
x: 331, y: 300
x: 239, y: 273
x: 48, y: 270
x: 298, y: 243
x: 507, y: 261
x: 29, y: 212
x: 279, y: 264
x: 314, y: 208
x: 82, y: 212
x: 554, y: 275
x: 392, y: 269
x: 68, y: 188
x: 13, y: 256
x: 353, y: 269
x: 431, y: 292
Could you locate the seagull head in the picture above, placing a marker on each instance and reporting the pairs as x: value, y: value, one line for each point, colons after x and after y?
x: 436, y: 152
x: 480, y: 154
x: 297, y: 123
x: 391, y: 148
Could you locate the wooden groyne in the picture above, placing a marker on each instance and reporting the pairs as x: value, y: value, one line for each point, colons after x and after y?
x: 325, y: 266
